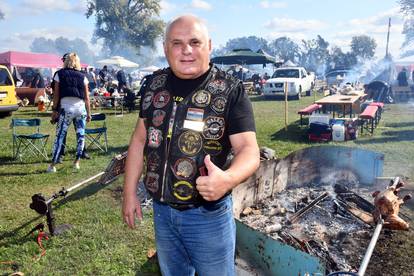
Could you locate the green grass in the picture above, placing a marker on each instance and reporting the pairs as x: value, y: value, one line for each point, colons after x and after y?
x: 98, y: 242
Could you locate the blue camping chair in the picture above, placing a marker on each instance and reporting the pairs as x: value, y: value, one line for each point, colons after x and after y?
x: 95, y: 132
x: 27, y: 139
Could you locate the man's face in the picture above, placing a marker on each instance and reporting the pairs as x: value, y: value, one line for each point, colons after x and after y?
x: 187, y: 49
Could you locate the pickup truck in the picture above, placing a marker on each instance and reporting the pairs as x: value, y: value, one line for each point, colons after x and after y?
x: 297, y: 79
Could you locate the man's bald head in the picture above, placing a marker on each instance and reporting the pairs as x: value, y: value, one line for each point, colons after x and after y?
x: 187, y: 47
x: 187, y: 19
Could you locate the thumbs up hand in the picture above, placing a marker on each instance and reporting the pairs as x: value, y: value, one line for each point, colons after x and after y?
x: 215, y: 184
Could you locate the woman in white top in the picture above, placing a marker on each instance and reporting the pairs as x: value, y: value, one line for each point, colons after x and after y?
x: 70, y: 103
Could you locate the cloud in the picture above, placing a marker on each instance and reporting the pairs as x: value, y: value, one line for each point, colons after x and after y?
x: 294, y: 25
x: 39, y: 7
x: 167, y: 7
x: 200, y: 4
x: 272, y: 4
x: 379, y: 19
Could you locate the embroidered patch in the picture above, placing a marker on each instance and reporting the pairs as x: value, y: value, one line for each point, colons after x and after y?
x: 190, y: 143
x: 195, y: 114
x: 213, y: 128
x: 218, y: 104
x: 147, y: 100
x: 152, y: 182
x: 184, y: 168
x: 153, y: 162
x: 154, y: 137
x: 158, y: 117
x: 212, y: 147
x: 217, y: 86
x: 158, y: 81
x: 201, y: 98
x: 161, y: 99
x: 183, y: 190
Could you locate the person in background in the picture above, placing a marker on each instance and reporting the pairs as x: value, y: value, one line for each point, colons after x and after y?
x: 402, y: 77
x: 103, y: 76
x: 37, y: 81
x: 192, y: 114
x: 92, y: 79
x: 70, y: 102
x: 122, y: 80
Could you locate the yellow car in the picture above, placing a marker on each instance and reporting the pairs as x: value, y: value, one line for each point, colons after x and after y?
x: 8, y: 99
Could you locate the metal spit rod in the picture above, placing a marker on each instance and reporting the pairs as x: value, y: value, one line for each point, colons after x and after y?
x: 370, y: 248
x: 77, y: 185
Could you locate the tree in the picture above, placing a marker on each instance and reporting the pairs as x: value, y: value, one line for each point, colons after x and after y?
x: 63, y: 45
x: 315, y: 54
x: 340, y: 60
x: 43, y: 45
x: 407, y: 7
x: 122, y: 23
x: 285, y: 49
x: 363, y: 46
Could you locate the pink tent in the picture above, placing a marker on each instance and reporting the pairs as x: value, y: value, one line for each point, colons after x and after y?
x: 34, y: 60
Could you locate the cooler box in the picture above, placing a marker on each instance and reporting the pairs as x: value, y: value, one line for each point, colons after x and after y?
x: 319, y: 118
x: 319, y: 132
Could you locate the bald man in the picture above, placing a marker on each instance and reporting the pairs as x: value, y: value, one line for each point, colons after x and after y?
x: 192, y: 114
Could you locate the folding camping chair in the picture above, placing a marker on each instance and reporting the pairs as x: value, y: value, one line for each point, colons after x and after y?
x: 95, y: 135
x: 26, y: 140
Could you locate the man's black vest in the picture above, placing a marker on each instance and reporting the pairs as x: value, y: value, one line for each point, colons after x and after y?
x: 179, y: 136
x: 71, y: 83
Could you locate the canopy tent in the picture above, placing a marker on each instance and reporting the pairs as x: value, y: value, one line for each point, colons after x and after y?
x: 118, y: 61
x: 34, y: 60
x: 244, y: 57
x: 151, y: 68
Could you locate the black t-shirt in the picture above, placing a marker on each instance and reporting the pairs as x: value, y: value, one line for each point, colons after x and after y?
x: 240, y: 117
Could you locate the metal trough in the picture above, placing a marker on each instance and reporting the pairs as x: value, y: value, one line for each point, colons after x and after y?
x: 310, y: 167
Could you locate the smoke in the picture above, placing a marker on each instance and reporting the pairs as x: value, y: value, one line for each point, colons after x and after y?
x: 367, y: 71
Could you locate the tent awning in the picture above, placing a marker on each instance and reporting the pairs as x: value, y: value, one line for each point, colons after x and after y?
x: 34, y: 60
x: 244, y: 56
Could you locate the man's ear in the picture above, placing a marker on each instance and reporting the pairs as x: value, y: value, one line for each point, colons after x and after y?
x: 165, y: 48
x: 209, y: 45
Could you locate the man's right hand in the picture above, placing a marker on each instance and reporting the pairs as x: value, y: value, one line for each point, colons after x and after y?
x: 131, y: 207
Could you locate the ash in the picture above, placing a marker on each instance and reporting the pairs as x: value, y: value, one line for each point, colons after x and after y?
x: 327, y: 230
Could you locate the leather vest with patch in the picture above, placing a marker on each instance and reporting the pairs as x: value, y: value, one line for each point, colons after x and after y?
x: 180, y: 135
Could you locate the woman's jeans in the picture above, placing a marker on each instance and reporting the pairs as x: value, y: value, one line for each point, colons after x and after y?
x: 66, y: 116
x: 198, y: 240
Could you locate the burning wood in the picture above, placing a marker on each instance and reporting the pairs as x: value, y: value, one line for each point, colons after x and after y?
x: 317, y: 221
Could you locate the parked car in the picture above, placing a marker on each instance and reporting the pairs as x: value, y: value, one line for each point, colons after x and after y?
x: 297, y: 79
x: 8, y: 98
x: 336, y: 77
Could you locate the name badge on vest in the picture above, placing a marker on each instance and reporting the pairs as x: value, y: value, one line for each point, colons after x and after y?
x: 194, y: 119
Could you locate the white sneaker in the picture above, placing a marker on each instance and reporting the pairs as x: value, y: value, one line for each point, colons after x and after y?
x: 51, y: 169
x: 76, y: 166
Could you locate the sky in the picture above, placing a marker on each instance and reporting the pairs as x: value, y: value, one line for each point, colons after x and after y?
x: 336, y: 21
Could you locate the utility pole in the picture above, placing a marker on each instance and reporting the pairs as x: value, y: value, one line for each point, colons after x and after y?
x: 388, y: 37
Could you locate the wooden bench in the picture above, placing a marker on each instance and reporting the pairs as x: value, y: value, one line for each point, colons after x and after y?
x: 368, y: 116
x: 308, y: 110
x: 379, y: 112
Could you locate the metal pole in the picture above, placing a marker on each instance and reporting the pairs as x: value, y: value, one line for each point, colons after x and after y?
x: 74, y: 187
x: 286, y: 105
x: 388, y: 37
x: 370, y: 248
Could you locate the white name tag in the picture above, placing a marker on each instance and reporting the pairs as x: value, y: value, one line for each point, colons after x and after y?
x: 193, y: 125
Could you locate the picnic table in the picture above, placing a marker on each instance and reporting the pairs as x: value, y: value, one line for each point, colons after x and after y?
x: 349, y: 102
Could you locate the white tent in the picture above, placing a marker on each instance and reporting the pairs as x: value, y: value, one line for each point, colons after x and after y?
x: 151, y: 68
x: 118, y: 61
x: 405, y: 61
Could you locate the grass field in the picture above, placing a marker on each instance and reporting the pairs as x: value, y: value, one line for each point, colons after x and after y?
x: 98, y: 242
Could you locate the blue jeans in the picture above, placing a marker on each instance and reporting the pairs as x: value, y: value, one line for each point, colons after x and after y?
x: 78, y: 116
x: 198, y: 240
